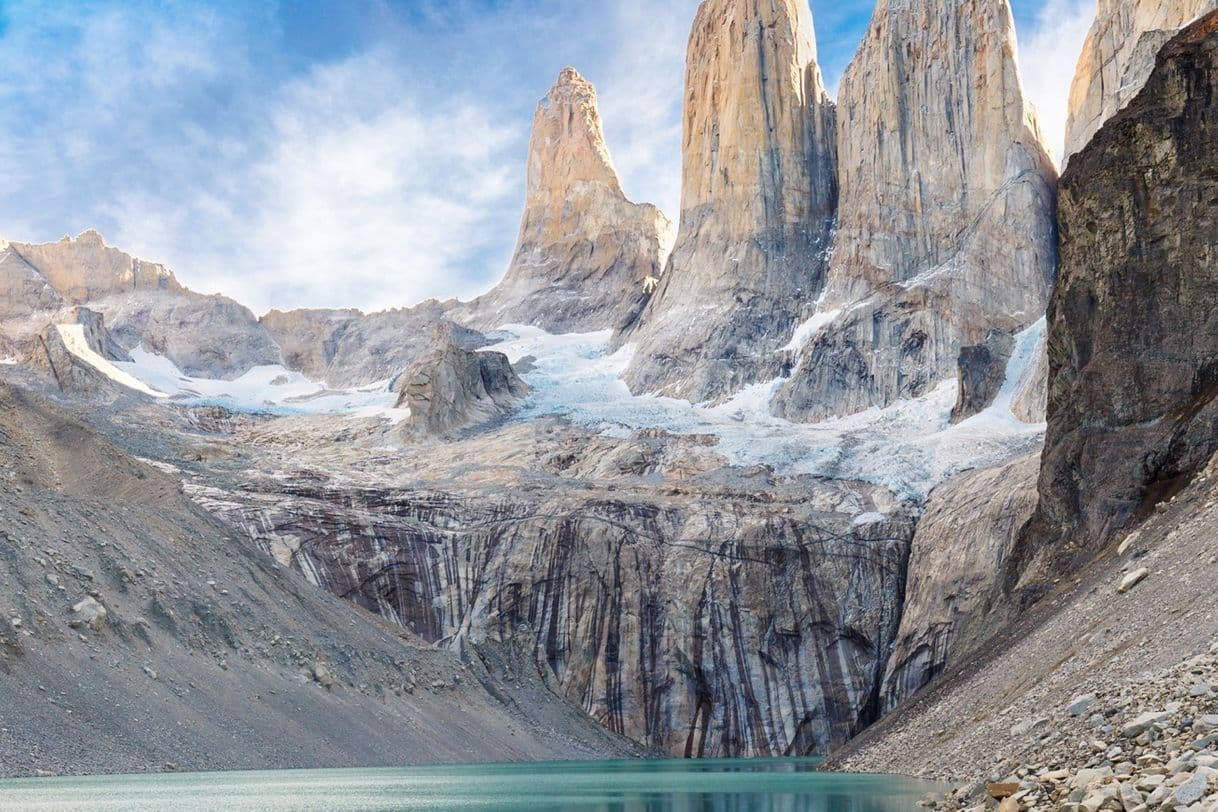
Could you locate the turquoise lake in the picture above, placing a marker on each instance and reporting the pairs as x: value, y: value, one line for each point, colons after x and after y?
x: 713, y: 786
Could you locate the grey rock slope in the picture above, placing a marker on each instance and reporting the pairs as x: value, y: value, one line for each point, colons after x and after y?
x: 955, y: 597
x: 757, y: 200
x: 143, y: 303
x: 1133, y: 334
x: 584, y: 252
x: 703, y: 610
x: 348, y: 348
x: 138, y: 633
x: 945, y: 227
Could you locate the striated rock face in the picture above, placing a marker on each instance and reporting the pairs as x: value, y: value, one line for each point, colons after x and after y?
x: 584, y: 250
x: 954, y: 597
x: 451, y: 388
x: 945, y: 223
x: 702, y: 610
x: 1133, y: 333
x: 1118, y: 56
x: 144, y: 305
x: 758, y: 193
x: 347, y: 348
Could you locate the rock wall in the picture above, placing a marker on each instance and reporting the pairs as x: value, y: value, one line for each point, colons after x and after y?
x: 143, y: 303
x: 184, y: 625
x: 347, y: 348
x: 945, y: 225
x: 1133, y: 334
x: 703, y: 611
x: 584, y: 251
x: 1118, y: 56
x: 758, y: 193
x: 954, y: 595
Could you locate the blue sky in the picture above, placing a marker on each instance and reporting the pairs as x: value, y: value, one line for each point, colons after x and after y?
x: 364, y: 153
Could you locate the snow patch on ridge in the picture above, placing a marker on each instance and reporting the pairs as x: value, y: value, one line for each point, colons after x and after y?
x: 264, y: 389
x: 73, y: 336
x: 909, y: 447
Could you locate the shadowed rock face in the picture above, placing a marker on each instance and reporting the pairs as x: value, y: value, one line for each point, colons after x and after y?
x: 945, y: 225
x: 982, y: 370
x: 758, y: 193
x: 584, y: 251
x: 450, y: 388
x: 705, y: 611
x: 1118, y: 57
x: 1133, y: 331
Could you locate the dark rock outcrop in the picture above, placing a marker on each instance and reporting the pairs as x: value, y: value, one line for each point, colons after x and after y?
x: 1133, y: 331
x: 450, y: 388
x: 982, y: 371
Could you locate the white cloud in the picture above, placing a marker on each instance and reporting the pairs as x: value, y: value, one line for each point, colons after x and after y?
x: 641, y: 95
x: 364, y: 196
x: 1048, y: 55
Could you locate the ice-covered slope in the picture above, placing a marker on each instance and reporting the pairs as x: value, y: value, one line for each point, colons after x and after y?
x: 910, y: 446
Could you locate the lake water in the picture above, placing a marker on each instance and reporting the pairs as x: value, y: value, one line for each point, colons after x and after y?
x: 706, y: 786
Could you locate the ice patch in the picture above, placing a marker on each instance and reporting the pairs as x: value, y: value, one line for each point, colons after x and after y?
x: 805, y: 331
x: 264, y: 389
x: 73, y: 336
x: 8, y: 362
x: 909, y: 447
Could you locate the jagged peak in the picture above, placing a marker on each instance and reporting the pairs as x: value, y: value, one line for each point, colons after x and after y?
x: 568, y: 141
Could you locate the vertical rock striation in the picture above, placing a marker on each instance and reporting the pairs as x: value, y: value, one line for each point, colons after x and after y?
x: 584, y: 251
x: 1133, y: 332
x: 758, y: 193
x: 703, y: 611
x: 1118, y: 56
x: 945, y: 223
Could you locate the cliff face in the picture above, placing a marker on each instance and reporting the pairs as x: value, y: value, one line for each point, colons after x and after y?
x: 758, y: 193
x: 143, y: 304
x: 1118, y: 56
x: 701, y: 610
x: 1133, y: 333
x: 584, y: 251
x: 945, y: 221
x: 347, y: 348
x: 954, y: 597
